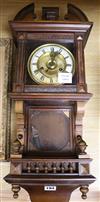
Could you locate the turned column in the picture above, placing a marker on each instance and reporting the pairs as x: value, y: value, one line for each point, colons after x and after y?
x: 79, y: 118
x: 80, y: 66
x: 20, y: 63
x: 18, y: 144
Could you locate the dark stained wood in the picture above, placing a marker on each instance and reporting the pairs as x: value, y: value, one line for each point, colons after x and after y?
x: 49, y: 117
x: 62, y: 96
x: 50, y: 13
x: 50, y: 89
x: 39, y: 180
x: 53, y: 164
x: 50, y: 27
x: 64, y: 186
x: 80, y: 59
x: 53, y: 126
x: 66, y: 33
x: 60, y: 195
x: 20, y: 64
x: 80, y: 64
x: 62, y: 38
x: 73, y: 14
x: 27, y: 10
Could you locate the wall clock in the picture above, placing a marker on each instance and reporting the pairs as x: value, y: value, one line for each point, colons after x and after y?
x: 46, y: 63
x: 49, y: 93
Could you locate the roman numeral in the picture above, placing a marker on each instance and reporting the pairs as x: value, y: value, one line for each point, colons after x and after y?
x: 52, y: 49
x: 51, y: 80
x: 69, y: 65
x: 34, y: 63
x: 60, y: 50
x: 42, y: 78
x: 36, y: 71
x: 66, y: 57
x: 43, y: 51
x: 37, y: 56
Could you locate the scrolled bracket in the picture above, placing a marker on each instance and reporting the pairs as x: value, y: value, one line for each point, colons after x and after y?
x: 84, y: 190
x: 16, y: 147
x: 80, y: 145
x: 15, y: 189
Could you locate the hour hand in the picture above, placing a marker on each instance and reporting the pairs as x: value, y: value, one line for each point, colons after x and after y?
x: 53, y: 54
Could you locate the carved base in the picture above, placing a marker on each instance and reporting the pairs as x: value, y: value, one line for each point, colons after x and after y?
x: 63, y: 186
x: 57, y: 193
x: 37, y: 194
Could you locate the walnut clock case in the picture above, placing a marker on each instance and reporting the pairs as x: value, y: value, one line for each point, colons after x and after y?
x: 48, y: 88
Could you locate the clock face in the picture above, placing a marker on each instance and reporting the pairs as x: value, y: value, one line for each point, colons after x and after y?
x: 48, y: 62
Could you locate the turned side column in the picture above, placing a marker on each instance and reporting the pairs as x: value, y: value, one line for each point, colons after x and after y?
x: 80, y: 66
x: 18, y: 144
x: 79, y: 118
x: 18, y: 82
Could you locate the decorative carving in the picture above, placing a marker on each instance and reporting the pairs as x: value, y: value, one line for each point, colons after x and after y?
x: 84, y: 190
x: 50, y: 13
x: 16, y: 168
x: 16, y: 147
x: 18, y: 144
x: 79, y: 118
x: 29, y: 9
x: 81, y: 87
x: 21, y: 36
x: 73, y: 13
x: 20, y: 123
x: 62, y: 167
x: 46, y: 167
x: 37, y: 168
x: 20, y: 63
x: 70, y: 167
x: 84, y: 168
x: 28, y: 167
x: 15, y: 189
x: 54, y: 167
x: 60, y: 112
x: 49, y: 166
x: 80, y: 145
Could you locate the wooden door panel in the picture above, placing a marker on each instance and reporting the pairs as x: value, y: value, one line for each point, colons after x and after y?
x: 49, y: 130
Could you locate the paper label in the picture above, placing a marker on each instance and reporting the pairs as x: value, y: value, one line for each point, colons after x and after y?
x: 64, y: 77
x: 50, y: 188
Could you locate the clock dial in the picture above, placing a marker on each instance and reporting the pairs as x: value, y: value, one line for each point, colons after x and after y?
x: 47, y: 61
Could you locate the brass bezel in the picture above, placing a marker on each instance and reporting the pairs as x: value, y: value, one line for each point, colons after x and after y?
x: 42, y: 46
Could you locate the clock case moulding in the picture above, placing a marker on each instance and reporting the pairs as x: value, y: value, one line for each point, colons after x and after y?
x: 37, y: 161
x: 28, y: 35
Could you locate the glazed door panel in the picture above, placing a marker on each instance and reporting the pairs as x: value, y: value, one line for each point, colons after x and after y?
x: 50, y: 130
